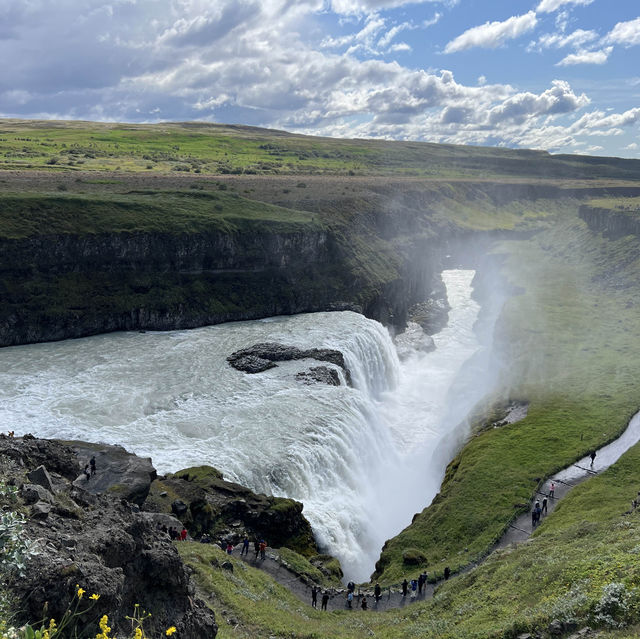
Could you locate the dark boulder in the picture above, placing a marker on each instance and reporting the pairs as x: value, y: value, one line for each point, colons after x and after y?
x: 118, y: 472
x: 261, y: 357
x: 319, y: 375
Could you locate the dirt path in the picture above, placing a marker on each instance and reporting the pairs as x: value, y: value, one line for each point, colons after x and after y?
x: 519, y: 530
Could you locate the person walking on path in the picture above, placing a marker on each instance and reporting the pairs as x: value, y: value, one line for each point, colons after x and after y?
x: 447, y: 572
x: 421, y: 580
x: 229, y: 548
x: 349, y: 599
x: 405, y: 586
x: 377, y: 592
x: 314, y: 596
x: 552, y: 490
x: 87, y: 472
x: 414, y: 588
x: 544, y: 505
x: 183, y: 534
x: 363, y: 603
x: 593, y: 456
x: 263, y: 548
x: 256, y: 547
x: 92, y: 464
x: 245, y: 547
x: 325, y: 600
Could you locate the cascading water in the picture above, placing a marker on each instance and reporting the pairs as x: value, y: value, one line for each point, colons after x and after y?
x: 361, y: 459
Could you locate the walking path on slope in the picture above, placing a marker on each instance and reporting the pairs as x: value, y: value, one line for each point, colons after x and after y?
x: 519, y: 530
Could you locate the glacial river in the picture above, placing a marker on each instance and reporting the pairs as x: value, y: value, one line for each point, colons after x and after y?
x: 362, y: 459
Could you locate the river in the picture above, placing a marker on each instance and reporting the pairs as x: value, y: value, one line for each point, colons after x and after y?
x: 362, y: 459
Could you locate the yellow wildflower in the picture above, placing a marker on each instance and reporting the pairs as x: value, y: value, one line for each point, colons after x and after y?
x: 94, y: 597
x: 81, y: 592
x: 52, y: 626
x: 170, y: 631
x: 104, y: 628
x: 138, y: 633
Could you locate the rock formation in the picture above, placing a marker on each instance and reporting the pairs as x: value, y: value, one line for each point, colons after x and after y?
x: 99, y: 542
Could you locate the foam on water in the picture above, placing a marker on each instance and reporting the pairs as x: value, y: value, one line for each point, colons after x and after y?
x: 361, y: 459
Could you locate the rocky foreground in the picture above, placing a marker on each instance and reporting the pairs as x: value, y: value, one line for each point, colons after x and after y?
x: 108, y: 532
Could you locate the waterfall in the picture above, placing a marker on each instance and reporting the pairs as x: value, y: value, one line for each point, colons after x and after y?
x: 360, y: 458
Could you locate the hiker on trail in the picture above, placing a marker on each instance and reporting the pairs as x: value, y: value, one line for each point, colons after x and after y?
x: 377, y: 592
x: 447, y: 572
x: 351, y: 586
x: 92, y: 463
x: 349, y: 599
x: 593, y: 456
x: 544, y: 505
x: 263, y: 548
x: 538, y: 512
x: 421, y: 580
x: 325, y: 600
x: 363, y: 603
x: 245, y: 547
x: 256, y: 547
x: 405, y: 585
x: 414, y: 588
x: 229, y: 548
x: 552, y: 490
x: 314, y: 596
x: 87, y: 472
x: 183, y: 534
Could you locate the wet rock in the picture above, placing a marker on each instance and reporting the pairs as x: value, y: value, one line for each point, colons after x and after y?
x: 319, y: 375
x: 227, y: 565
x: 41, y: 477
x: 413, y: 339
x: 262, y: 357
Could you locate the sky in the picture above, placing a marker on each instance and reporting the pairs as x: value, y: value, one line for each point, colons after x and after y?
x: 559, y: 75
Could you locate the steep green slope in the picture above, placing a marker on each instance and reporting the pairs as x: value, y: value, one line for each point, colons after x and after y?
x: 571, y: 347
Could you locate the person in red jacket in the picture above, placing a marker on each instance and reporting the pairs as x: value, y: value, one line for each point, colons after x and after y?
x: 183, y: 534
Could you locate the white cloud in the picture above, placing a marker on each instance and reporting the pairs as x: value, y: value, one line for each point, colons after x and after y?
x: 577, y: 39
x: 626, y: 33
x: 360, y: 7
x: 548, y: 6
x: 493, y: 34
x: 632, y: 147
x: 586, y: 57
x: 559, y: 99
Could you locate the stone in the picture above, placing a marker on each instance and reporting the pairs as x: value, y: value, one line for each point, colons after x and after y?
x: 118, y: 472
x: 319, y: 375
x: 179, y: 508
x: 556, y: 627
x: 40, y: 510
x: 41, y: 477
x: 261, y: 357
x: 32, y: 493
x: 227, y: 565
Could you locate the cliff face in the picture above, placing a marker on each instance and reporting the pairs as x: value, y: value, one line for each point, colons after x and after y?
x: 60, y: 286
x: 614, y: 223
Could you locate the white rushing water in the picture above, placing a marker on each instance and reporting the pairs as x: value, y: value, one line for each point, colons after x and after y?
x: 362, y: 459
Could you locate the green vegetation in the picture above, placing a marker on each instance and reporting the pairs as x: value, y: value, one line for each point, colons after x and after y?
x: 27, y: 215
x: 572, y: 345
x: 213, y: 149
